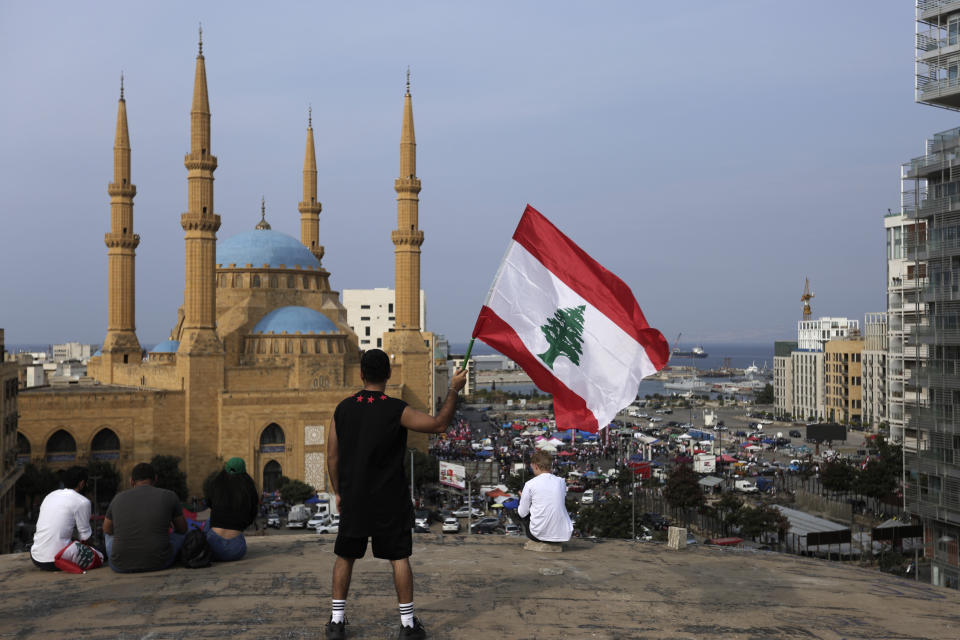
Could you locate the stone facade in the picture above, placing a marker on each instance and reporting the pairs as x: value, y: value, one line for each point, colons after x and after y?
x: 9, y: 470
x: 261, y: 352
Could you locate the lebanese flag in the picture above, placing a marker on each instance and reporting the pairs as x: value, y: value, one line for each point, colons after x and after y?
x: 573, y: 326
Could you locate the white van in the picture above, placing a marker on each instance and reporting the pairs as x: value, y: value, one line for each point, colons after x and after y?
x: 587, y: 497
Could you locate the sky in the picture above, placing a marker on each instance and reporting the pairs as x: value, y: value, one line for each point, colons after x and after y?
x: 711, y: 154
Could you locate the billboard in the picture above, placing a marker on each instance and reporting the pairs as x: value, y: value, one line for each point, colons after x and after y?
x: 453, y: 475
x: 826, y: 432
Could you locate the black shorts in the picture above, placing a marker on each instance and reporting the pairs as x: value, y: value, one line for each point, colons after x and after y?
x: 395, y: 546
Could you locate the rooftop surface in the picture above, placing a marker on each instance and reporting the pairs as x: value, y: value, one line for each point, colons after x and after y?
x: 484, y: 587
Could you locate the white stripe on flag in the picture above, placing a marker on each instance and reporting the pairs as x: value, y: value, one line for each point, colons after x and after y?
x: 526, y: 294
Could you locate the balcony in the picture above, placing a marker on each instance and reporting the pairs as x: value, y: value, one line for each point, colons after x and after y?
x: 932, y: 11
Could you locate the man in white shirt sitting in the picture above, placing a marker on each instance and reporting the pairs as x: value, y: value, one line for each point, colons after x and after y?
x: 59, y: 512
x: 543, y: 506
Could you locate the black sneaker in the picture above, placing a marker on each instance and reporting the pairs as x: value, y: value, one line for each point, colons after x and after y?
x: 336, y: 630
x: 417, y: 632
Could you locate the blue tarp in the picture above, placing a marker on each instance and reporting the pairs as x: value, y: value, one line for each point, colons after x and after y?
x: 511, y: 503
x: 484, y: 454
x: 583, y: 435
x: 312, y: 500
x: 590, y: 474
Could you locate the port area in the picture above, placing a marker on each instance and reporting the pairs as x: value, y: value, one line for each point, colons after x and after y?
x: 473, y: 586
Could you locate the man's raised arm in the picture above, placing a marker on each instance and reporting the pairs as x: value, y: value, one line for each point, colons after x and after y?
x: 424, y: 422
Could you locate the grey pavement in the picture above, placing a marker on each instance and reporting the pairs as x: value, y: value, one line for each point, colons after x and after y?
x: 484, y: 587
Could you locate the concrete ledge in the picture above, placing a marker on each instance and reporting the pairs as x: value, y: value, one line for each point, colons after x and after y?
x: 544, y: 547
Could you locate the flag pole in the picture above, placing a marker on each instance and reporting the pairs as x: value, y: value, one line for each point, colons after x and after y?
x: 466, y: 358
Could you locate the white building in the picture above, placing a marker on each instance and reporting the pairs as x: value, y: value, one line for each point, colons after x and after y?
x: 903, y: 309
x: 73, y: 351
x: 370, y: 314
x: 874, y: 382
x: 783, y: 378
x: 808, y: 362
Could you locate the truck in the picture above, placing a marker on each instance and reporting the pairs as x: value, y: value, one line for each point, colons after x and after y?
x: 764, y: 484
x: 298, y: 517
x: 704, y: 463
x: 745, y: 486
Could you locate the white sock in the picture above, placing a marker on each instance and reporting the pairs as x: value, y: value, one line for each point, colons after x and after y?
x: 406, y: 614
x: 339, y: 611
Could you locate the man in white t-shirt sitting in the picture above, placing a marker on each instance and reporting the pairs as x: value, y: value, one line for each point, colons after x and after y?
x: 59, y: 512
x: 543, y: 506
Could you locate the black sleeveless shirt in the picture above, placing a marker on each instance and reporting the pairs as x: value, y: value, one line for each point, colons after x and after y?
x: 374, y: 494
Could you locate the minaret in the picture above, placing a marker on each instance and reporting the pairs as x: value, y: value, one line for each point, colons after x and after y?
x: 120, y: 344
x: 200, y: 224
x: 407, y: 238
x: 200, y: 358
x: 310, y: 207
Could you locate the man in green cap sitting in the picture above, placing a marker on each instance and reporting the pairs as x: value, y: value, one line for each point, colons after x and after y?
x: 234, y: 502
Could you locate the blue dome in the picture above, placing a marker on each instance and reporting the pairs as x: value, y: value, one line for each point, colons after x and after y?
x: 97, y: 354
x: 167, y: 346
x: 262, y: 246
x: 294, y: 319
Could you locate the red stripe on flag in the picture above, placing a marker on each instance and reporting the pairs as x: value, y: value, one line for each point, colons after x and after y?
x: 592, y: 281
x: 569, y: 409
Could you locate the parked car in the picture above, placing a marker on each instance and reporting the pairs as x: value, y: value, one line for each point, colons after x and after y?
x: 512, y: 530
x: 463, y: 512
x: 273, y: 521
x: 332, y: 525
x: 691, y: 539
x: 420, y: 527
x: 451, y: 525
x: 656, y: 521
x: 587, y: 497
x: 576, y: 487
x: 484, y: 525
x: 645, y: 534
x: 317, y: 520
x: 795, y: 433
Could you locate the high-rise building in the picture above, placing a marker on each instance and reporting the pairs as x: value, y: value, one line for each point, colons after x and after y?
x: 783, y: 378
x: 875, y: 342
x: 843, y: 398
x: 9, y: 469
x: 929, y: 329
x: 809, y: 388
x: 372, y: 313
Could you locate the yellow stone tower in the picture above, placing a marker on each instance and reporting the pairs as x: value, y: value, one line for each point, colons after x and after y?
x: 121, y: 344
x: 200, y: 354
x: 310, y: 207
x: 412, y: 359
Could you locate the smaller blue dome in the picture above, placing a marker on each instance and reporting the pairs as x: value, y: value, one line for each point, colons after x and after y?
x: 167, y: 346
x: 295, y: 319
x: 98, y: 353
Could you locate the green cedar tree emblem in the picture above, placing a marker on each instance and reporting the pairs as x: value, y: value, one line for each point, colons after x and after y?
x: 564, y: 333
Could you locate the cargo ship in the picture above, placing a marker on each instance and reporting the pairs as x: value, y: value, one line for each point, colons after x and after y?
x: 696, y: 352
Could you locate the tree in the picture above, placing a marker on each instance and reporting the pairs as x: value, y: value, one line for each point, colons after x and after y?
x: 564, y: 333
x: 765, y: 396
x: 838, y: 476
x: 169, y: 475
x: 756, y: 521
x: 295, y: 491
x: 426, y: 469
x: 609, y: 519
x: 683, y: 490
x: 36, y: 482
x: 727, y: 507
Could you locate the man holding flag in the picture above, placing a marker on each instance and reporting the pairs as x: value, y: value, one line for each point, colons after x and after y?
x: 574, y: 327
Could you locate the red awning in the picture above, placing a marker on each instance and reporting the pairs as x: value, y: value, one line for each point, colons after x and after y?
x: 566, y: 453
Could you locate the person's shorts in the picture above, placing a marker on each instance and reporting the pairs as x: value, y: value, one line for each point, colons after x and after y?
x: 395, y: 546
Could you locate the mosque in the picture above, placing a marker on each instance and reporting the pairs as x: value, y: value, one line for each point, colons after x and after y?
x: 261, y: 352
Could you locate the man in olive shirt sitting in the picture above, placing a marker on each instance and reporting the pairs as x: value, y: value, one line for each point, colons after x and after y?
x: 137, y: 524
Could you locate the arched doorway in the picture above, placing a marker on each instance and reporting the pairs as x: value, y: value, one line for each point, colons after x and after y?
x: 23, y: 449
x: 105, y: 445
x: 272, y: 439
x: 271, y: 476
x: 61, y: 447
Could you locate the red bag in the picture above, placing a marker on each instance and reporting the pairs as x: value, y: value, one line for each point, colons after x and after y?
x: 78, y: 557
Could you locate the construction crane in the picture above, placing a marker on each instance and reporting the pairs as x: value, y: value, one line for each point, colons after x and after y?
x: 676, y: 343
x: 805, y: 298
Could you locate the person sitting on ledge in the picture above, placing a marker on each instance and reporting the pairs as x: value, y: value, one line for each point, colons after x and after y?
x: 234, y: 504
x: 59, y: 512
x: 137, y: 523
x: 543, y: 508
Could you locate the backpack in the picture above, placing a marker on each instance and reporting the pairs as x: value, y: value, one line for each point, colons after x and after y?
x: 195, y: 552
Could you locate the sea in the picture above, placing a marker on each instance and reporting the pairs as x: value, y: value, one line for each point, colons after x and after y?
x: 736, y: 355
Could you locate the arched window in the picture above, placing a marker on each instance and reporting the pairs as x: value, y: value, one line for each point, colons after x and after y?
x: 305, y: 285
x: 61, y: 447
x: 273, y: 282
x: 105, y: 445
x: 290, y: 282
x: 272, y: 473
x: 272, y: 440
x: 237, y: 281
x: 223, y: 281
x: 288, y: 346
x: 255, y: 282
